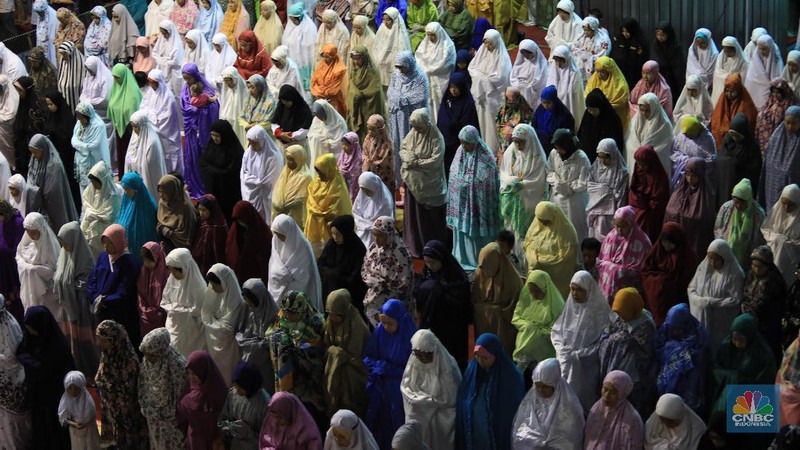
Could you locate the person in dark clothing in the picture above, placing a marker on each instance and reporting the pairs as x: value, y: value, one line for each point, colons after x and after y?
x: 599, y: 122
x: 739, y: 157
x: 456, y: 111
x: 59, y: 124
x: 220, y: 164
x: 630, y: 50
x: 764, y: 294
x: 341, y: 261
x: 29, y: 121
x: 46, y: 357
x: 443, y: 300
x: 671, y: 59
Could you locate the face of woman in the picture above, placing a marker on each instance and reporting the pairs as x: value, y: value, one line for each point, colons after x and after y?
x: 116, y: 18
x: 715, y: 261
x: 358, y: 29
x: 700, y: 42
x: 230, y: 82
x: 117, y: 80
x: 368, y: 192
x: 467, y: 146
x: 281, y: 237
x: 759, y: 268
x: 433, y: 264
x: 165, y: 33
x: 188, y: 78
x: 291, y: 163
x: 603, y: 74
x: 253, y: 90
x: 661, y: 36
x: 792, y: 67
x: 691, y: 179
x: 265, y: 11
x: 254, y: 144
x: 329, y: 24
x: 739, y: 340
x: 625, y: 33
x: 337, y: 236
x: 565, y: 16
x: 33, y: 234
x: 96, y: 184
x: 610, y: 395
x: 204, y: 212
x: 432, y: 37
x: 731, y: 94
x: 13, y: 191
x: 791, y: 123
x: 389, y: 324
x: 648, y: 77
x: 605, y: 159
x: 423, y: 357
x: 588, y: 31
x: 36, y: 64
x: 730, y: 52
x: 216, y: 137
x: 388, y: 21
x: 763, y: 50
x: 485, y: 362
x: 645, y: 110
x: 147, y: 261
x: 322, y: 176
x: 488, y: 44
x: 535, y: 291
x: 108, y: 246
x: 543, y: 390
x: 788, y: 205
x: 454, y: 91
x: 50, y: 105
x: 244, y: 45
x: 104, y: 343
x: 192, y: 45
x: 175, y: 272
x: 578, y: 293
x: 341, y: 437
x: 668, y: 245
x: 36, y: 153
x: 278, y: 64
x: 135, y: 128
x: 96, y: 19
x: 205, y: 4
x: 130, y: 193
x: 280, y: 421
x: 623, y: 227
x: 295, y: 20
x: 381, y: 238
x: 327, y: 58
x: 216, y: 287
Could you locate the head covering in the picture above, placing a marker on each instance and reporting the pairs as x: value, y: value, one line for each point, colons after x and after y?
x: 175, y: 212
x: 348, y: 422
x: 649, y: 184
x: 100, y: 206
x: 694, y: 206
x: 263, y: 311
x: 43, y: 252
x: 49, y: 176
x: 123, y: 39
x: 389, y: 43
x: 256, y: 60
x: 350, y: 163
x: 533, y: 316
x: 184, y: 294
x: 12, y: 371
x: 681, y: 346
x: 269, y: 30
x: 725, y: 109
x: 726, y: 65
x: 701, y: 61
x: 292, y: 185
x: 80, y: 408
x: 666, y: 274
x: 232, y: 101
x: 72, y: 265
x: 218, y: 61
x: 620, y: 252
x: 563, y: 31
x: 473, y: 187
x: 249, y: 238
x: 330, y: 128
x: 143, y: 63
x: 628, y: 303
x: 211, y: 392
x: 657, y: 86
x: 124, y: 98
x: 150, y: 287
x: 435, y: 381
x: 612, y: 177
x: 138, y: 214
x: 71, y: 72
x: 547, y: 122
x: 656, y: 130
x: 553, y: 419
x: 202, y: 51
x: 504, y: 391
x: 686, y: 434
x: 522, y: 162
x: 326, y: 197
x: 292, y: 255
x: 779, y: 99
x: 614, y: 86
x: 409, y: 436
x: 494, y: 64
x: 762, y: 70
x: 557, y: 239
x: 295, y: 118
x: 209, y: 20
x: 699, y: 106
x: 426, y: 183
x: 614, y: 426
x: 529, y: 75
x: 368, y: 208
x: 302, y: 431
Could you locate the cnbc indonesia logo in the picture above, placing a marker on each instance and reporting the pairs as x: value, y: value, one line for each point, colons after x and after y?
x: 753, y: 409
